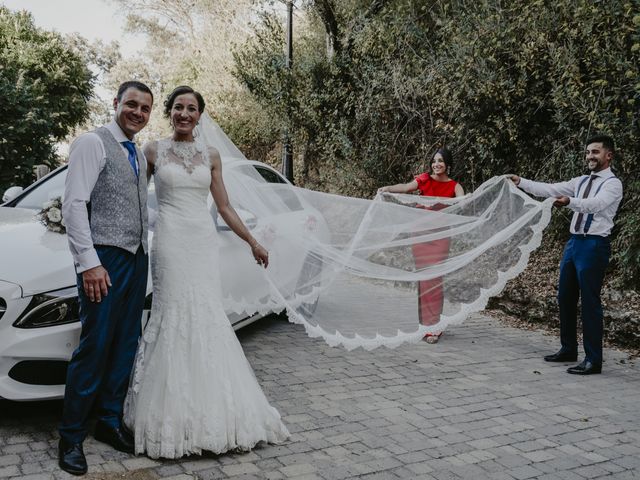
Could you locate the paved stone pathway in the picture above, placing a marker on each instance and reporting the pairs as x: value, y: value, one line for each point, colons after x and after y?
x: 481, y: 404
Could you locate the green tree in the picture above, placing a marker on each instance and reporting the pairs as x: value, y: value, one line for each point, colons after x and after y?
x: 189, y: 42
x: 510, y: 86
x: 45, y: 85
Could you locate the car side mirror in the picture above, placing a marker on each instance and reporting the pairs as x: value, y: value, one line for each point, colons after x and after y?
x: 248, y: 218
x: 11, y: 193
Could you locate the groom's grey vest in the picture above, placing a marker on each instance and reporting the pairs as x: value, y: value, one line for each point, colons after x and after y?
x: 118, y: 209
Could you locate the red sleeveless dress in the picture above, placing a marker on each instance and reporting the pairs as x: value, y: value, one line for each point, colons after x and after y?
x: 432, y: 188
x: 430, y: 292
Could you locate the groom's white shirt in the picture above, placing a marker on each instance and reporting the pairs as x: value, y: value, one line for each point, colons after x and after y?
x: 87, y: 158
x: 604, y: 198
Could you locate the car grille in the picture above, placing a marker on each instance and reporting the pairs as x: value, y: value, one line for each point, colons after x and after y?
x: 40, y: 372
x: 3, y: 307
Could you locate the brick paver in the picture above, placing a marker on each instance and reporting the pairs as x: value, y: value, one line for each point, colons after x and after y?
x: 480, y: 404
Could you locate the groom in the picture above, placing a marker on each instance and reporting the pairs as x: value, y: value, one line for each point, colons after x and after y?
x: 594, y: 199
x: 105, y: 211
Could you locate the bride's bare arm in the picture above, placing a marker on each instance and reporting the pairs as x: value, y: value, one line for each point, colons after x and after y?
x: 150, y: 151
x: 228, y: 213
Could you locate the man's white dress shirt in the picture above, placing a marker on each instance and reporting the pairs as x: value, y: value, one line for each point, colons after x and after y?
x: 87, y: 158
x: 603, y: 200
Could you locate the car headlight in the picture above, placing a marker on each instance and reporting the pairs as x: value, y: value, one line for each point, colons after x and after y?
x: 49, y: 309
x: 3, y: 307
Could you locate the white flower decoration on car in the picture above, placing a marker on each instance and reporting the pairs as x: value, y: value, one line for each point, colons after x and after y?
x: 51, y: 216
x: 55, y: 215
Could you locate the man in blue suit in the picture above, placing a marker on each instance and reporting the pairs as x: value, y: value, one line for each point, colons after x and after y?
x: 594, y: 199
x: 105, y: 210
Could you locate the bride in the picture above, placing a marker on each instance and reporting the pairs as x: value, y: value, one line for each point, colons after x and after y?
x: 192, y: 388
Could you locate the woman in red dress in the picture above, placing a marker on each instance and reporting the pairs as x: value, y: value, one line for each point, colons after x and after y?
x: 434, y: 184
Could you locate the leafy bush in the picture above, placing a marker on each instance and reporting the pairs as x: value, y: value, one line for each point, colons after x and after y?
x: 510, y: 86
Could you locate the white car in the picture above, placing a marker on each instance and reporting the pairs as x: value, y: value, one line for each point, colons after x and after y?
x: 39, y: 326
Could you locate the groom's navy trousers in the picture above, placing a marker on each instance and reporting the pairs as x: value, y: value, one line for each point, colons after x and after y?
x: 582, y: 272
x: 99, y: 370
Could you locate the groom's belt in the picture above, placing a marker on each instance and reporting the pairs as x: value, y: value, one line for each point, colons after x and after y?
x: 588, y: 235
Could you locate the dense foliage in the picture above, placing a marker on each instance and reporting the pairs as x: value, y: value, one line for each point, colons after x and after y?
x: 45, y: 85
x: 189, y: 43
x: 512, y: 86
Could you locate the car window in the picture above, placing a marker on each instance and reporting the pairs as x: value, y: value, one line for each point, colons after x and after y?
x: 50, y: 188
x: 269, y: 175
x: 285, y: 192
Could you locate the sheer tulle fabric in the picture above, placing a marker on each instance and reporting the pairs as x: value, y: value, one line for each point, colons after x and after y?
x: 357, y: 285
x: 192, y: 388
x: 364, y: 276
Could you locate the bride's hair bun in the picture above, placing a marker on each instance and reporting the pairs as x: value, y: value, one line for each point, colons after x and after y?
x: 181, y: 90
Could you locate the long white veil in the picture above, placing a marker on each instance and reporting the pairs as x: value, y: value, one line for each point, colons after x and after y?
x: 366, y: 273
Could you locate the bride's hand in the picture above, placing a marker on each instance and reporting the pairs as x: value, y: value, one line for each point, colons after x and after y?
x: 260, y: 254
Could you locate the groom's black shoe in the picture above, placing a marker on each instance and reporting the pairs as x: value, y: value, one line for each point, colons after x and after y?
x: 118, y: 438
x: 71, y: 458
x: 561, y: 357
x: 585, y: 368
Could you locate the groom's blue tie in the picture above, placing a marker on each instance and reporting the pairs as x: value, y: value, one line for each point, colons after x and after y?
x: 131, y: 147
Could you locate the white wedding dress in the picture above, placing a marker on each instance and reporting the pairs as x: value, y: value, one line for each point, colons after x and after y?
x: 192, y: 389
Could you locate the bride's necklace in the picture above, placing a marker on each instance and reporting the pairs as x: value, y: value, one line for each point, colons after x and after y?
x: 185, y: 151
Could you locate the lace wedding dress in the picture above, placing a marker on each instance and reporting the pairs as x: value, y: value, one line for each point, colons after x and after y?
x: 192, y: 388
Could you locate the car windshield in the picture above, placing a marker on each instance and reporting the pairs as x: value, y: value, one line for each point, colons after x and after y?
x: 53, y: 186
x: 48, y: 189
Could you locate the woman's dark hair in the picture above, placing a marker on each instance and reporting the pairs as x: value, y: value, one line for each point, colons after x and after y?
x: 446, y: 156
x: 181, y: 90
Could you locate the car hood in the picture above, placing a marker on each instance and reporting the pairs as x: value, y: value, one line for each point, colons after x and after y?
x: 31, y: 256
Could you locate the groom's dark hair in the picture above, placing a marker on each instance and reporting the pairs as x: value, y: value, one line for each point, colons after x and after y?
x: 181, y: 90
x: 606, y: 141
x: 132, y: 84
